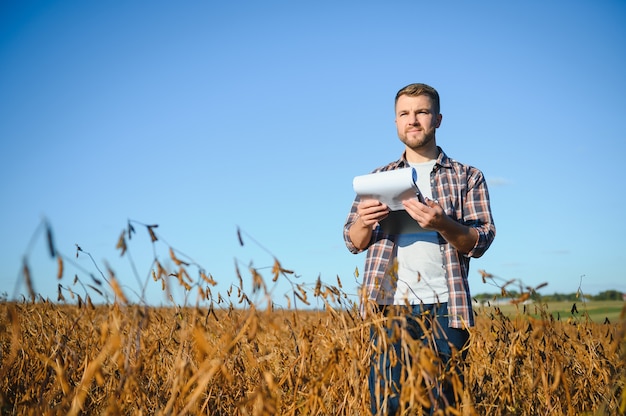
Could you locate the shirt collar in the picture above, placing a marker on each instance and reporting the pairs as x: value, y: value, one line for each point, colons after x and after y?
x: 442, y: 160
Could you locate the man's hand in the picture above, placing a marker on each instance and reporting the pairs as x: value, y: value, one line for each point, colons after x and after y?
x: 431, y: 216
x: 369, y: 212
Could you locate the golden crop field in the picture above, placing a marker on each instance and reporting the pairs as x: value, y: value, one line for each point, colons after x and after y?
x: 228, y: 356
x: 124, y: 359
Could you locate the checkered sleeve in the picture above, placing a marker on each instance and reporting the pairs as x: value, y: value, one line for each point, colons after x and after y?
x: 477, y: 212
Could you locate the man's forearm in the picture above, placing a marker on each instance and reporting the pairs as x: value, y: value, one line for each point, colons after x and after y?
x: 360, y: 234
x: 460, y: 236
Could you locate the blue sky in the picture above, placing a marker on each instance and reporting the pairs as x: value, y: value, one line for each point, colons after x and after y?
x: 205, y: 116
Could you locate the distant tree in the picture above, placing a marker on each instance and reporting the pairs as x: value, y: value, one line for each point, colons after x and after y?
x: 555, y: 297
x: 560, y: 297
x: 484, y: 296
x: 609, y: 295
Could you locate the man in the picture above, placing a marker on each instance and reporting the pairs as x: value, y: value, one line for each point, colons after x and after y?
x: 421, y: 275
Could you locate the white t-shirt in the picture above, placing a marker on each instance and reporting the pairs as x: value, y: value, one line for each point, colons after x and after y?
x: 421, y: 277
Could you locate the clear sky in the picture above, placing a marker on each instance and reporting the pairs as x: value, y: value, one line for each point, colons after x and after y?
x: 206, y: 116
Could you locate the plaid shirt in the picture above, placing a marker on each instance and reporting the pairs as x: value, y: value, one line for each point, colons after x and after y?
x: 462, y: 192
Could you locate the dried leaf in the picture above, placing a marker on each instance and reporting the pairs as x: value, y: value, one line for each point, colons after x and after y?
x: 131, y: 230
x: 209, y: 279
x: 51, y: 248
x: 302, y: 297
x: 153, y: 236
x: 60, y: 297
x: 176, y: 259
x: 117, y: 289
x: 121, y: 243
x: 96, y: 280
x: 59, y: 267
x: 28, y: 281
x: 239, y: 237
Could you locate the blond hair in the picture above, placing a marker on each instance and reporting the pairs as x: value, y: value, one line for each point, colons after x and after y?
x: 413, y: 90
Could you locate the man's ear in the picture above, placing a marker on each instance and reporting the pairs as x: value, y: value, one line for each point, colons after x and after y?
x: 439, y: 117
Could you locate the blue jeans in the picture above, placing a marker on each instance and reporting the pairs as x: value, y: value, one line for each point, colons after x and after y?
x: 428, y: 325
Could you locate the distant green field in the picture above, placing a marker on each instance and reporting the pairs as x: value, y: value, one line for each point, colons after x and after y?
x: 598, y: 311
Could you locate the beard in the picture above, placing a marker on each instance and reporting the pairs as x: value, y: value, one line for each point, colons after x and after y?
x: 419, y: 139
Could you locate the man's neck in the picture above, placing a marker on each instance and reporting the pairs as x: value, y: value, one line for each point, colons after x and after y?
x: 421, y: 155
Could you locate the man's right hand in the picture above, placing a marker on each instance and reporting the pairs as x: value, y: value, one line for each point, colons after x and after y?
x: 370, y: 212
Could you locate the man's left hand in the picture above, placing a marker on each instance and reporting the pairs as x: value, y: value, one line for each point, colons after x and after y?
x: 430, y: 215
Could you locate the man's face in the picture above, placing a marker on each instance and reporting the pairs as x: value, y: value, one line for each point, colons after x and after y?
x: 416, y: 121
